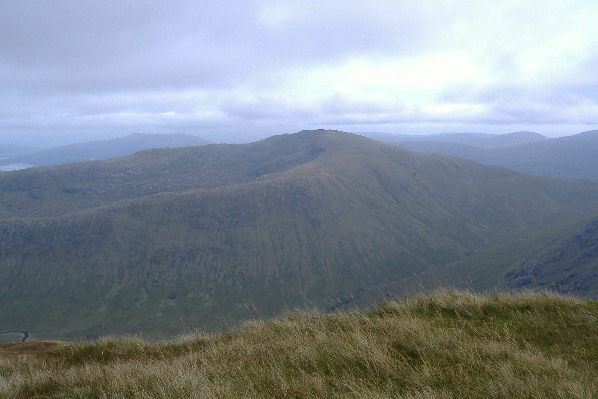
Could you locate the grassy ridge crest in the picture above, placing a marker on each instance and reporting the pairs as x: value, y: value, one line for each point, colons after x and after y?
x: 448, y: 344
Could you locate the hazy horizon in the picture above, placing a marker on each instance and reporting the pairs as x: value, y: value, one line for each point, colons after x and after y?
x: 43, y: 141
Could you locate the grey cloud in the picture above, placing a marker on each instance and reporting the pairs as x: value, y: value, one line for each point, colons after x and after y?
x: 68, y: 63
x: 66, y: 45
x: 73, y: 45
x: 552, y: 102
x: 337, y: 108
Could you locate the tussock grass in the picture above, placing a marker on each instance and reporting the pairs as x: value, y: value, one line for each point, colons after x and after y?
x: 446, y: 345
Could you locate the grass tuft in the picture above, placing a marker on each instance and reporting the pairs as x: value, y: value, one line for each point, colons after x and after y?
x: 446, y: 345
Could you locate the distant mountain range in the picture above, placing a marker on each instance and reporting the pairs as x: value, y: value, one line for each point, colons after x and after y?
x: 99, y: 150
x: 570, y: 156
x: 169, y: 240
x: 482, y: 140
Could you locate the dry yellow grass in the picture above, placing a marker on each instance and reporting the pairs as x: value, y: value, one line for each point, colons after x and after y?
x: 447, y: 345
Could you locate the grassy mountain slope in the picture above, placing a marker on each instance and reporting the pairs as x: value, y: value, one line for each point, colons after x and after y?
x: 104, y: 149
x: 571, y: 156
x: 168, y: 240
x: 55, y: 190
x: 448, y: 345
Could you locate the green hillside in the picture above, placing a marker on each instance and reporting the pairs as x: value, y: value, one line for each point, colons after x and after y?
x: 204, y: 237
x: 448, y: 345
x: 559, y: 257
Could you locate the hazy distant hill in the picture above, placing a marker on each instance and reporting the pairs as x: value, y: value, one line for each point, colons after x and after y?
x: 104, y: 149
x: 482, y: 140
x: 15, y: 150
x: 571, y: 156
x: 173, y: 239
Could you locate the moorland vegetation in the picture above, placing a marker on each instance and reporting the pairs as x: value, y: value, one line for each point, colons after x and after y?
x: 445, y: 345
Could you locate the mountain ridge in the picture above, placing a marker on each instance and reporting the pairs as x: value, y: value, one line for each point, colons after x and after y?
x: 207, y: 236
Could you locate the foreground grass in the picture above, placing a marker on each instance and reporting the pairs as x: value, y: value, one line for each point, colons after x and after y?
x: 447, y: 345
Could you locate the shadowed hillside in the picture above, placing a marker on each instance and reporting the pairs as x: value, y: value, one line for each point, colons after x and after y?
x: 204, y: 237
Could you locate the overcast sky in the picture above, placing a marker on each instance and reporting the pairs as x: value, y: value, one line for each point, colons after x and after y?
x: 77, y: 69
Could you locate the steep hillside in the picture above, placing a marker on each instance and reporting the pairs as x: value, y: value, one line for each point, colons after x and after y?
x: 571, y: 156
x: 559, y: 257
x: 568, y: 266
x: 204, y: 237
x: 103, y: 149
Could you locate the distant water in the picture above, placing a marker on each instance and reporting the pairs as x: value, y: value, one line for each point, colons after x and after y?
x: 15, y: 166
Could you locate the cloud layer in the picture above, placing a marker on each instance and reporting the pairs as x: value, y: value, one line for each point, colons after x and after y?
x: 212, y: 67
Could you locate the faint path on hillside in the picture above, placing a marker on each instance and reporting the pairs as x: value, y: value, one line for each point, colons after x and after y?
x: 25, y: 334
